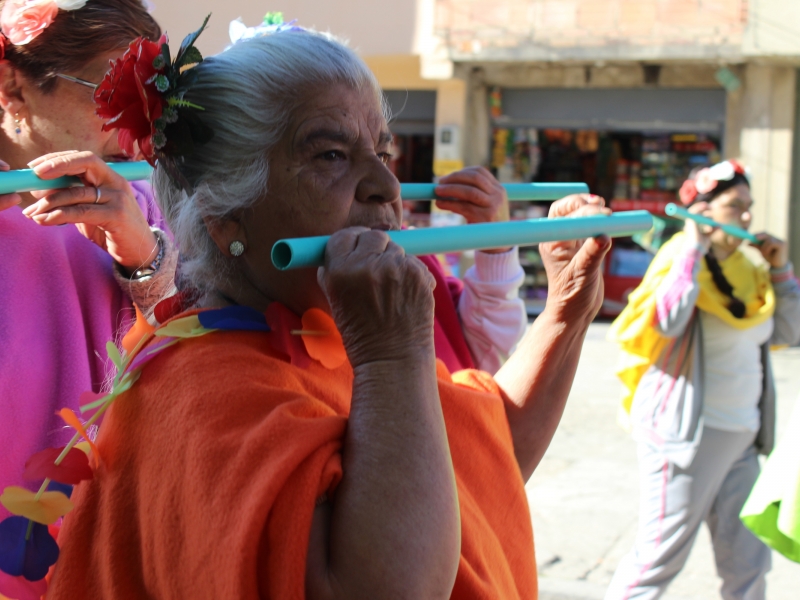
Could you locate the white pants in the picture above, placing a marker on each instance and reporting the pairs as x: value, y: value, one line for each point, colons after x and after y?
x: 673, y: 504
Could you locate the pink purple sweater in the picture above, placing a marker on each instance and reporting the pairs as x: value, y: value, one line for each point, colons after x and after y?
x: 61, y: 304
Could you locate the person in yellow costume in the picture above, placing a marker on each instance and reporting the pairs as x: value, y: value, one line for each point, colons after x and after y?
x: 699, y: 393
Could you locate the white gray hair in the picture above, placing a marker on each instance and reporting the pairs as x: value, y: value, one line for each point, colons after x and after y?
x: 248, y: 93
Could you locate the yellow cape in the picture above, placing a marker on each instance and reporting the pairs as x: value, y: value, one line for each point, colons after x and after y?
x: 635, y: 328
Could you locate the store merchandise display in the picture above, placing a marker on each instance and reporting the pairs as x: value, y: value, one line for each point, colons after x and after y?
x: 633, y: 170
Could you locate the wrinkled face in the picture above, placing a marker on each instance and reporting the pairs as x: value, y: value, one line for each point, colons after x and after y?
x: 65, y: 119
x: 328, y: 172
x: 731, y: 207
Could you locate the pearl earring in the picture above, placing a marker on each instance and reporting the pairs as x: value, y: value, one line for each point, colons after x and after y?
x: 236, y: 248
x: 17, y: 122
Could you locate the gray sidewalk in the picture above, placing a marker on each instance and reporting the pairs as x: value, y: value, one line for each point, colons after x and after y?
x: 583, y: 496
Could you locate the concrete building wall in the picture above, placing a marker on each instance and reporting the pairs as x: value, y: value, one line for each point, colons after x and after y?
x: 773, y: 28
x: 794, y: 208
x: 767, y: 116
x: 592, y: 29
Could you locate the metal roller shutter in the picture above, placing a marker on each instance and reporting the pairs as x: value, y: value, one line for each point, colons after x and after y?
x: 642, y: 110
x: 413, y: 112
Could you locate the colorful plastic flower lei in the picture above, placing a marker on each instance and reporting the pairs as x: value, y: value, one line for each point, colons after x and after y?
x: 708, y: 179
x: 28, y: 547
x: 143, y: 97
x: 22, y: 21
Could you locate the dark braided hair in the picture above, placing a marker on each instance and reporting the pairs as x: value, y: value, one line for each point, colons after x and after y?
x: 736, y: 306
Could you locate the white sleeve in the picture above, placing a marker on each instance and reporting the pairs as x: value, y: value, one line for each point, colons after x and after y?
x: 492, y: 313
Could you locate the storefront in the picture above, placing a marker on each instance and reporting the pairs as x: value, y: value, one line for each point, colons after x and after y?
x: 634, y: 147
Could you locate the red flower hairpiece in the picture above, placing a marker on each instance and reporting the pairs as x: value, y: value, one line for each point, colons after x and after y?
x: 129, y: 99
x: 142, y: 96
x: 688, y: 192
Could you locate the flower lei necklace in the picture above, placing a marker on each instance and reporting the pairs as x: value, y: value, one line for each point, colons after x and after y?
x: 28, y: 547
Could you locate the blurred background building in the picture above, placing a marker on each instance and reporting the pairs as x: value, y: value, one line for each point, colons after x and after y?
x: 627, y: 95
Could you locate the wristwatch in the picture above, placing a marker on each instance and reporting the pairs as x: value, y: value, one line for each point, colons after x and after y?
x: 154, y: 266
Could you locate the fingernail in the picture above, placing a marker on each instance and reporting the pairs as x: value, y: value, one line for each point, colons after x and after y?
x: 4, y: 166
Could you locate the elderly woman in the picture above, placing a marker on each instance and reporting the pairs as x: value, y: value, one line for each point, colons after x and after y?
x: 293, y: 435
x: 74, y: 261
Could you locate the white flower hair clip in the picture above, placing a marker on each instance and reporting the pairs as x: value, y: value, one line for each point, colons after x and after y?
x: 272, y: 24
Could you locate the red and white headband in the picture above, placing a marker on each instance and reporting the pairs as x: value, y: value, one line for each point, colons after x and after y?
x: 709, y: 178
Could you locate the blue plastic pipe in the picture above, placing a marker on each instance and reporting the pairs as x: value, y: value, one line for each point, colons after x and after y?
x: 25, y: 180
x: 310, y: 252
x: 515, y: 191
x: 673, y: 210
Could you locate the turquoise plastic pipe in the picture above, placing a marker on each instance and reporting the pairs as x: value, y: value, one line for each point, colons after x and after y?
x: 515, y: 191
x: 25, y: 180
x: 297, y: 253
x: 673, y: 210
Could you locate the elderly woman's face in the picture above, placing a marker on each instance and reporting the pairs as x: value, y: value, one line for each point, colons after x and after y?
x: 329, y: 172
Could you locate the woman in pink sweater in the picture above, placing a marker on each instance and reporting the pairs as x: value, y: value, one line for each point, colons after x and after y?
x: 73, y: 261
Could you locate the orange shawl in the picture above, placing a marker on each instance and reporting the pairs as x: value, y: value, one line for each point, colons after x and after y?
x: 212, y: 464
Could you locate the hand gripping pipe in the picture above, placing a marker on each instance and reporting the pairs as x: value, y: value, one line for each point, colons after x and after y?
x: 310, y: 252
x: 673, y: 210
x: 25, y: 180
x: 515, y: 191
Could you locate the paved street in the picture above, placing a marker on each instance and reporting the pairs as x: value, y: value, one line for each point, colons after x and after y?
x: 583, y: 496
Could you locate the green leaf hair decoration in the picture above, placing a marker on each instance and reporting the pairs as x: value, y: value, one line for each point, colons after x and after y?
x: 273, y: 18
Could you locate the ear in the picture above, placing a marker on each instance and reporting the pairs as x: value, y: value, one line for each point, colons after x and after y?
x: 224, y: 233
x: 11, y: 97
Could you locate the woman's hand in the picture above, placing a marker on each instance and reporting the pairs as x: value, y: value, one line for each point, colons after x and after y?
x: 112, y: 219
x: 381, y: 299
x: 695, y: 232
x: 392, y: 529
x: 476, y: 195
x: 575, y: 282
x: 775, y: 251
x: 8, y: 200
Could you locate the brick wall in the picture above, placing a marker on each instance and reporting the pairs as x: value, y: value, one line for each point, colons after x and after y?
x: 577, y: 28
